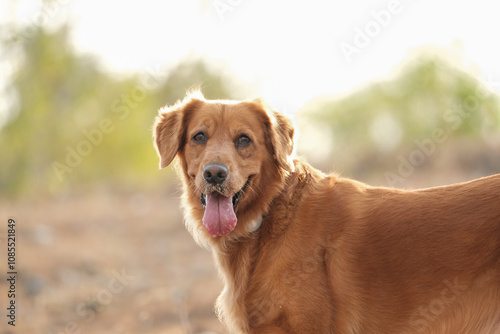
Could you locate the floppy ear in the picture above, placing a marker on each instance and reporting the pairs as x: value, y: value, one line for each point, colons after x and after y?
x: 169, y: 128
x: 281, y: 133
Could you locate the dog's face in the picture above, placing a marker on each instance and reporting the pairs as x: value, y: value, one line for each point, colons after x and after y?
x: 229, y: 153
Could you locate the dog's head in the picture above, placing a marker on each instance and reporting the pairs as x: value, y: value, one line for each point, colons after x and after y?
x: 233, y: 157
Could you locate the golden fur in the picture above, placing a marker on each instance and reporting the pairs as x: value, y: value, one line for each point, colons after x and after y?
x: 331, y: 255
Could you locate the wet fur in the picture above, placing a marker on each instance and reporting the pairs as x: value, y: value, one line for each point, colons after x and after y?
x: 333, y: 255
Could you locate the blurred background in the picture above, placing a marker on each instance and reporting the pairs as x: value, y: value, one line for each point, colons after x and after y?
x: 393, y: 93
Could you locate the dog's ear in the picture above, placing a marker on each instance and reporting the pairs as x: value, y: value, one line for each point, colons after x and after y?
x: 170, y: 126
x: 283, y: 135
x: 281, y: 132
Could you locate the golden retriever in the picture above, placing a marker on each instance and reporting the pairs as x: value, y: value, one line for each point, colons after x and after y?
x: 304, y: 252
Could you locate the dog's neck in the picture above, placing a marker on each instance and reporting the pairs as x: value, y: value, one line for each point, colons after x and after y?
x: 276, y: 221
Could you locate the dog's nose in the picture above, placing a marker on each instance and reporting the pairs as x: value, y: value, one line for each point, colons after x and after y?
x: 215, y: 173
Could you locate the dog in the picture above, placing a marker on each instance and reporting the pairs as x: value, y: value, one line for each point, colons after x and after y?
x: 301, y: 251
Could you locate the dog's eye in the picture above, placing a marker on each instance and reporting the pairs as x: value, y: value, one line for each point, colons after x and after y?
x: 200, y: 138
x: 243, y: 140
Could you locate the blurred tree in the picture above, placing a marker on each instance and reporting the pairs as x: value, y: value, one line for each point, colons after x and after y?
x: 75, y: 124
x: 369, y: 128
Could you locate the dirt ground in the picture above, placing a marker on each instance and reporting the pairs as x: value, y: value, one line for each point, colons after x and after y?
x: 107, y: 263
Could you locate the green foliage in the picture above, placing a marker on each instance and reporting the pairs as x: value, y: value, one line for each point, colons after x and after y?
x: 374, y: 124
x: 76, y: 124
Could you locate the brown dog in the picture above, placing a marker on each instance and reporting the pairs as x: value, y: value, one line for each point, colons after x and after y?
x: 304, y: 252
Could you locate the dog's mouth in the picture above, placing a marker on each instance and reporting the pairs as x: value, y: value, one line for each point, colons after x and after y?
x: 235, y: 199
x: 220, y: 217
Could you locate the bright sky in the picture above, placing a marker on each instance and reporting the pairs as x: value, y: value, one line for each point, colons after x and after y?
x: 285, y: 51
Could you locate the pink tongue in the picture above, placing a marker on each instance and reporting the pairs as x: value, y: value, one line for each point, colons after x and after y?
x: 219, y: 218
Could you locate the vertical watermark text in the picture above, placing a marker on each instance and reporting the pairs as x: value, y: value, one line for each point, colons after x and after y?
x: 11, y: 272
